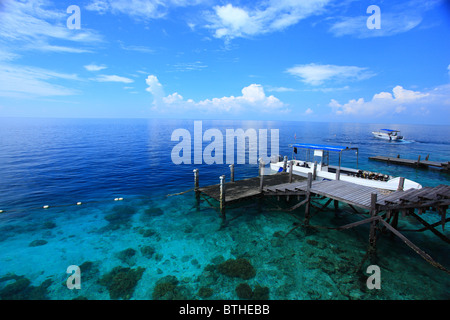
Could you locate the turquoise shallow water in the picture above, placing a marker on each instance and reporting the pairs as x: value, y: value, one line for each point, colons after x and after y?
x: 169, y: 250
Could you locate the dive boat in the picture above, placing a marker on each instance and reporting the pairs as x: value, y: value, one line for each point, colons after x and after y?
x: 388, y: 134
x: 317, y: 163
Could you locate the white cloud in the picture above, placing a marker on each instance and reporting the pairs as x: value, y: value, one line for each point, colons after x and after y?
x: 189, y: 66
x: 253, y: 98
x: 113, y: 78
x: 100, y: 6
x: 391, y: 24
x: 309, y: 111
x: 317, y: 74
x: 29, y: 25
x: 395, y: 18
x: 280, y: 89
x: 6, y: 55
x: 230, y: 21
x: 155, y: 88
x: 140, y: 9
x: 142, y: 49
x: 29, y: 82
x: 400, y: 101
x: 94, y: 67
x: 401, y: 94
x: 448, y: 68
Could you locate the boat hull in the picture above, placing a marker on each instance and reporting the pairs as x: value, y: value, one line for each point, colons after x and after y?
x: 381, y: 135
x: 299, y: 168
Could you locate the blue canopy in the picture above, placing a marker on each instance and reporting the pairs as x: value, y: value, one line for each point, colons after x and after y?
x: 319, y: 147
x: 390, y: 130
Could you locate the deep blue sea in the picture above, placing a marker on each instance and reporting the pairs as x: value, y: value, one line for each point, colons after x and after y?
x: 153, y: 246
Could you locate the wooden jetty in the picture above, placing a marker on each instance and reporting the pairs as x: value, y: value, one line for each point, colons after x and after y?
x: 247, y: 188
x: 383, y: 207
x: 413, y: 163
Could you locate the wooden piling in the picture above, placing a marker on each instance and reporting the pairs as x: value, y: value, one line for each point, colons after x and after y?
x: 261, y: 175
x: 338, y: 173
x: 291, y: 168
x: 401, y: 184
x: 285, y: 163
x: 314, y: 171
x: 196, y: 189
x: 232, y: 172
x: 373, y: 213
x: 308, y: 199
x: 222, y: 198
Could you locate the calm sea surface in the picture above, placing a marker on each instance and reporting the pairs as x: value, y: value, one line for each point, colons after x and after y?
x: 59, y: 162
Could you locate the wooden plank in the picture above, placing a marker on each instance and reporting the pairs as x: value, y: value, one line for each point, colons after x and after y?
x: 395, y: 196
x: 247, y: 188
x: 414, y: 196
x: 445, y: 192
x: 434, y: 193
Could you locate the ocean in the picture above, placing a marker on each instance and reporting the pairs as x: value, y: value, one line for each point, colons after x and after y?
x: 130, y: 237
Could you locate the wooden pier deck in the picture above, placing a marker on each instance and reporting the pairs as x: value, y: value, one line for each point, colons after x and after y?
x: 339, y: 190
x: 247, y: 188
x: 413, y: 163
x: 384, y: 207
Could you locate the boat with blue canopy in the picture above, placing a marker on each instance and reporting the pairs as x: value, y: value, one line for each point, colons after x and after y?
x: 388, y: 134
x: 315, y: 159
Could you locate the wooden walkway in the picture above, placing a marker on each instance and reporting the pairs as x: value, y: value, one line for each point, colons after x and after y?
x: 247, y: 188
x: 384, y: 207
x: 339, y: 190
x: 413, y: 163
x: 361, y: 196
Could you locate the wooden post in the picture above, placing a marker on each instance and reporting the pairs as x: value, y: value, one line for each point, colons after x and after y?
x: 308, y: 199
x: 373, y: 213
x: 401, y: 184
x: 222, y: 198
x: 232, y: 172
x: 197, y: 192
x: 338, y: 173
x: 261, y: 175
x: 418, y: 161
x: 259, y: 167
x: 291, y: 168
x: 314, y: 171
x: 426, y: 159
x: 285, y: 164
x: 395, y: 219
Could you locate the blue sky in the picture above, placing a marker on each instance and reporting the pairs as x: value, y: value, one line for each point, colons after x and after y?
x: 313, y: 60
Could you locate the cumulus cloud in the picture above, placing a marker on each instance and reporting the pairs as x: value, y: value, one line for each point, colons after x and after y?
x: 400, y: 101
x: 253, y: 98
x: 309, y: 111
x: 317, y: 74
x: 230, y: 21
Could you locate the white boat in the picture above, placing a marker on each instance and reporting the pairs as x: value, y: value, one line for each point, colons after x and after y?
x: 388, y: 134
x: 318, y: 165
